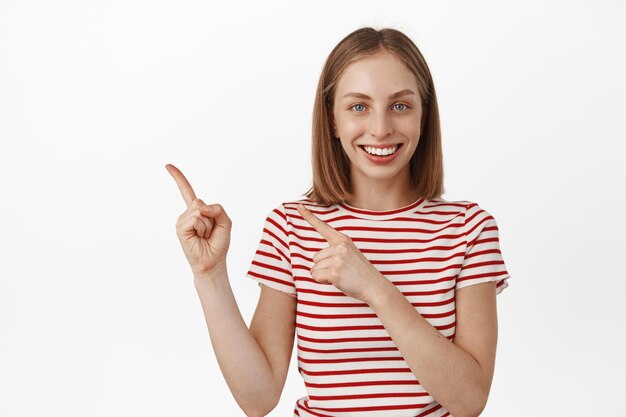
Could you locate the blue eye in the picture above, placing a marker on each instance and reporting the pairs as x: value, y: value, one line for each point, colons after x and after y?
x: 356, y: 106
x: 400, y: 104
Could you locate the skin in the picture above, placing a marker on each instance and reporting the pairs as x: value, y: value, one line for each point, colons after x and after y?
x: 378, y: 120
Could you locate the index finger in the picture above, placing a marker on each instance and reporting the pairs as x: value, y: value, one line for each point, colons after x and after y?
x: 183, y: 184
x: 323, y: 228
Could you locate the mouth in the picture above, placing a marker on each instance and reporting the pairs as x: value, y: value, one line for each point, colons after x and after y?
x: 385, y: 152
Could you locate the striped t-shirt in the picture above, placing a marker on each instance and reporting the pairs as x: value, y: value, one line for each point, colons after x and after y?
x: 428, y: 250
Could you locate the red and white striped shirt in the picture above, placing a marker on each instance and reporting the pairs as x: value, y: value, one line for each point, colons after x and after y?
x: 428, y: 250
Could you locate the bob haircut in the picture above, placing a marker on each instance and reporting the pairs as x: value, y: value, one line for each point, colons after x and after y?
x: 331, y: 166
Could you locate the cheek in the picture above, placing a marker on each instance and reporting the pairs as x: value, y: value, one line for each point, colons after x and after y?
x: 351, y: 128
x: 411, y: 129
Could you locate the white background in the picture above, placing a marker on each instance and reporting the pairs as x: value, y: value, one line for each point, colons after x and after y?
x: 98, y: 312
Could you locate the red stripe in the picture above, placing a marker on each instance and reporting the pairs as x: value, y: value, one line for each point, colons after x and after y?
x: 373, y: 240
x: 345, y: 339
x: 371, y: 408
x: 351, y: 339
x: 278, y: 281
x: 480, y: 264
x: 414, y: 304
x: 483, y: 252
x: 276, y: 225
x: 272, y: 267
x: 485, y: 275
x: 278, y: 239
x: 362, y: 383
x: 432, y: 410
x: 363, y: 315
x: 353, y: 350
x: 445, y: 279
x: 376, y: 250
x: 310, y: 411
x: 356, y: 371
x: 347, y: 360
x: 448, y: 204
x: 368, y: 396
x: 327, y: 328
x: 379, y: 229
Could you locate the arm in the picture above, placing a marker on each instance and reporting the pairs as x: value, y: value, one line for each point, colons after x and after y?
x: 456, y: 374
x: 250, y: 376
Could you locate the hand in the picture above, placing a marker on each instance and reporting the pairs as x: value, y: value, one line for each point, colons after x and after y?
x: 342, y: 264
x: 203, y: 231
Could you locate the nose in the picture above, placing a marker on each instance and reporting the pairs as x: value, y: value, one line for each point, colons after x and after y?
x: 380, y: 124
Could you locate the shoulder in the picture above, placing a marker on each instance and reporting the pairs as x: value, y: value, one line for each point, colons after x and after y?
x: 470, y: 210
x: 461, y: 206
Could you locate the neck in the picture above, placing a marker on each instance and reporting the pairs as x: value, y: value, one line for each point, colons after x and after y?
x: 382, y: 197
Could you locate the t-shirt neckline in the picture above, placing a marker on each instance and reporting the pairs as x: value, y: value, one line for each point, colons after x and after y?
x: 380, y: 214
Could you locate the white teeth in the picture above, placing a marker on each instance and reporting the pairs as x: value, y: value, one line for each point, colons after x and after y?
x: 378, y: 151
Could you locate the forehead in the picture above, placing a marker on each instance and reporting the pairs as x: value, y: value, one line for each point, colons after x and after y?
x: 377, y: 74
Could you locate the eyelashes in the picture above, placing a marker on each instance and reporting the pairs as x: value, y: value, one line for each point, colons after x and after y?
x: 405, y: 107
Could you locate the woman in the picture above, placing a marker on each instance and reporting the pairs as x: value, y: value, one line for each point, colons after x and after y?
x: 377, y: 272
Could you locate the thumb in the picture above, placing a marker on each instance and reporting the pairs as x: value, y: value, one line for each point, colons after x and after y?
x: 217, y: 212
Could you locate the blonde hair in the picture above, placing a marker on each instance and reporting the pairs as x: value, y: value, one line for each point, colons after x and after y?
x: 331, y: 166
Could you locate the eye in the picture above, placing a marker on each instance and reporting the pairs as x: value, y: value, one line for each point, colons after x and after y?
x: 401, y: 104
x: 354, y: 107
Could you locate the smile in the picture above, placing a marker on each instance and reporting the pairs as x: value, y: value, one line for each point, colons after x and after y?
x: 380, y: 151
x: 380, y: 155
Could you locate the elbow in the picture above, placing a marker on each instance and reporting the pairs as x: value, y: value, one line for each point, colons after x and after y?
x: 261, y: 409
x: 257, y: 412
x: 468, y: 414
x: 473, y: 410
x: 478, y: 408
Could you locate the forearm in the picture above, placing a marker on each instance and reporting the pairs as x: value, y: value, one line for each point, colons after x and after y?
x: 241, y: 360
x: 447, y: 372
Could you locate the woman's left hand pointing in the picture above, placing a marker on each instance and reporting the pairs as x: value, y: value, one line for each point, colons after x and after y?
x: 342, y: 264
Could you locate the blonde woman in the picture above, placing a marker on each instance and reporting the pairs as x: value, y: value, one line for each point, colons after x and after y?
x: 389, y: 290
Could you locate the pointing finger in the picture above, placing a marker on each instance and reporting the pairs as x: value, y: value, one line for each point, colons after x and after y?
x: 183, y: 184
x: 323, y: 229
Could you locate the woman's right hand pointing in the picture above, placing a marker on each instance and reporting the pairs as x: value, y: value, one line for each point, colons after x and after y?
x: 203, y: 231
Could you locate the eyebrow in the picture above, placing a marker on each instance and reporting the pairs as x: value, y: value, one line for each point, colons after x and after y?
x: 404, y: 92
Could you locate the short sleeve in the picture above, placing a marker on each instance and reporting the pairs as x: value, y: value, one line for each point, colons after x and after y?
x: 271, y: 264
x: 483, y: 260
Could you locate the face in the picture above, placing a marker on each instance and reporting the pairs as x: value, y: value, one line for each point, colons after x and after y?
x: 377, y: 105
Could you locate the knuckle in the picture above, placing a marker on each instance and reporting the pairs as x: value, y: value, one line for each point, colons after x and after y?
x: 198, y: 204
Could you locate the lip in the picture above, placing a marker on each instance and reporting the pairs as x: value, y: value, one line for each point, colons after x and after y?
x: 381, y: 160
x: 389, y: 145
